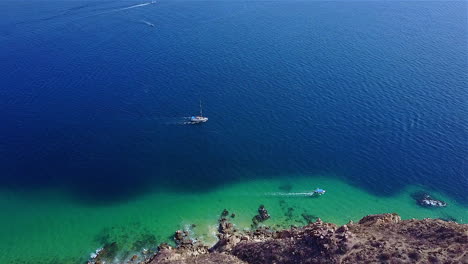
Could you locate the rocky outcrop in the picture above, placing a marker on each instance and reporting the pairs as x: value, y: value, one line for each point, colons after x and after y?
x: 425, y: 200
x: 261, y: 216
x: 381, y: 238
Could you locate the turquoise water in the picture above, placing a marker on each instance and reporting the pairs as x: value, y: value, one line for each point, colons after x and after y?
x: 366, y: 99
x: 56, y: 228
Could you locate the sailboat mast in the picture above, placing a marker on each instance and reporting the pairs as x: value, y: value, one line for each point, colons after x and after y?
x: 201, y: 111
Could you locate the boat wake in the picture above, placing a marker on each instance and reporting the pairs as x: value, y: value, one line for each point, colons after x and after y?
x: 85, y: 11
x: 180, y: 121
x: 147, y: 23
x: 288, y: 194
x: 121, y: 9
x: 129, y: 7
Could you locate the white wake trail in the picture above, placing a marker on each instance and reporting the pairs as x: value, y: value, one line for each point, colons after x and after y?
x: 130, y: 7
x: 147, y: 23
x: 121, y: 9
x: 288, y: 194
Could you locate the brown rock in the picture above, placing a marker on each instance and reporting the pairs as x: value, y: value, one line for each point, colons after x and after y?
x: 375, y: 239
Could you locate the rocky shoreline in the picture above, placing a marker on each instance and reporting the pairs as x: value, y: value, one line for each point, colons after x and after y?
x: 383, y: 238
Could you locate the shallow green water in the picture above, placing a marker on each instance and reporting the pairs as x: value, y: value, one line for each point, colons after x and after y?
x: 55, y: 228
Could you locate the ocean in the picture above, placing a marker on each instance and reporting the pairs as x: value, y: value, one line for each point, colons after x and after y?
x: 366, y: 99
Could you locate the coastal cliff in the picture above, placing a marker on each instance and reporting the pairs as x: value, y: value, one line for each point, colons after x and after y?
x: 383, y: 238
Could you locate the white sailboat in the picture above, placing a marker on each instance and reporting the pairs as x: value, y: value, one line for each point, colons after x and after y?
x: 200, y: 118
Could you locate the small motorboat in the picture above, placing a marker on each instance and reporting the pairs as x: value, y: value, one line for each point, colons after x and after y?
x: 318, y: 192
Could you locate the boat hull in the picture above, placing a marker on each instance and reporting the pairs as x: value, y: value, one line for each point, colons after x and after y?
x: 198, y: 120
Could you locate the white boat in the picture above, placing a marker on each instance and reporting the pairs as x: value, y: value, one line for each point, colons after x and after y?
x: 318, y: 192
x: 200, y: 118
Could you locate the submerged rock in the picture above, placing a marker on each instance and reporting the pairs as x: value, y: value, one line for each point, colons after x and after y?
x: 224, y: 226
x: 261, y: 216
x: 263, y: 213
x: 181, y: 237
x: 448, y: 218
x: 104, y: 254
x: 428, y: 201
x: 309, y: 218
x: 425, y: 200
x: 285, y: 187
x: 289, y: 213
x: 225, y: 213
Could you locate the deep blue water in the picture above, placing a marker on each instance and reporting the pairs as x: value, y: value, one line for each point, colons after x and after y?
x: 373, y: 92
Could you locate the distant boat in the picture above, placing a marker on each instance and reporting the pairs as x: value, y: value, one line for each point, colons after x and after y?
x: 200, y: 118
x: 147, y: 23
x: 318, y: 192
